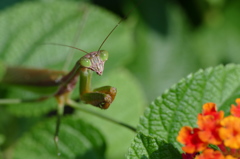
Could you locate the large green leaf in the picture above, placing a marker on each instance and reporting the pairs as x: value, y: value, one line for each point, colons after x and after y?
x: 180, y: 105
x: 77, y: 140
x: 151, y: 147
x: 25, y: 27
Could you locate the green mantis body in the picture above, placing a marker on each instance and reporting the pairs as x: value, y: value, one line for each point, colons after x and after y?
x: 62, y: 83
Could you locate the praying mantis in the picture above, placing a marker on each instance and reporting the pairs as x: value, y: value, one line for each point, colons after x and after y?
x: 63, y: 83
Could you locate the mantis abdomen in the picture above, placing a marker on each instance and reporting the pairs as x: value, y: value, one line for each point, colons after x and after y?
x: 32, y: 79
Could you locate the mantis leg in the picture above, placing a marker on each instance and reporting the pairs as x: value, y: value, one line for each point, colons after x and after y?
x: 101, y: 97
x: 61, y: 100
x: 18, y: 101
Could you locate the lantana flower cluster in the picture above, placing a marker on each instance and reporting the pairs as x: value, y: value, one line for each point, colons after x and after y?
x: 216, y: 137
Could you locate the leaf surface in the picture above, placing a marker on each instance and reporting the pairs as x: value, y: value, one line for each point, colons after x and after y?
x: 39, y: 143
x: 151, y: 147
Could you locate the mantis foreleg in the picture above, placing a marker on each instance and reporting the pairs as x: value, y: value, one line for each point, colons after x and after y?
x: 101, y: 97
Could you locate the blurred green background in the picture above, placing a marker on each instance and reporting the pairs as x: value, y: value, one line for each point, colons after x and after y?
x: 170, y: 39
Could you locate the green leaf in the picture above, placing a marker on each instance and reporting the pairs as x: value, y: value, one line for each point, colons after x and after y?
x: 77, y: 139
x: 179, y: 105
x: 64, y: 22
x: 151, y: 147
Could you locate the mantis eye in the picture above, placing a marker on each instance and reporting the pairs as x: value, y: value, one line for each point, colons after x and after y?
x: 85, y: 62
x: 103, y: 55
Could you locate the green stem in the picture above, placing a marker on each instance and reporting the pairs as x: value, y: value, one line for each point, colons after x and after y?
x: 79, y: 107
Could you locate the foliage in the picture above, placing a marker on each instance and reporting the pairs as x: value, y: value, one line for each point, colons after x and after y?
x: 144, y: 61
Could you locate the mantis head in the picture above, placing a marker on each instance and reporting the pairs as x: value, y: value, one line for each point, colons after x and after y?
x: 94, y: 61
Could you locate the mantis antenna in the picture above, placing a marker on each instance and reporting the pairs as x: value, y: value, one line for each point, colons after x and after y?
x: 65, y: 46
x: 103, y: 40
x: 101, y: 43
x: 114, y: 29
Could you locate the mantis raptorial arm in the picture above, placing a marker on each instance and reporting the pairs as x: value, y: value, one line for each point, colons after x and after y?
x: 101, y: 97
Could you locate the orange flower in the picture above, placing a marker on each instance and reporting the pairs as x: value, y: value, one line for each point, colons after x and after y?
x: 209, y: 124
x: 230, y: 132
x: 235, y: 110
x: 213, y: 129
x: 211, y: 109
x: 210, y: 154
x: 230, y: 157
x: 189, y: 137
